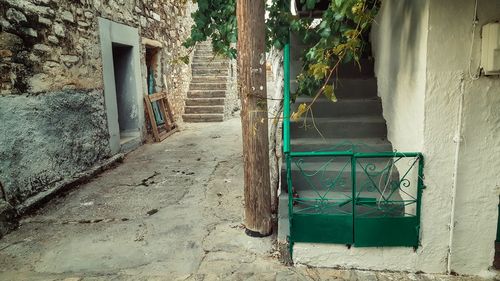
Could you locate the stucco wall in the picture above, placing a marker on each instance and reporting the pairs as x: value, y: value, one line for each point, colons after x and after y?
x: 421, y: 50
x: 48, y: 138
x: 476, y: 193
x: 399, y: 40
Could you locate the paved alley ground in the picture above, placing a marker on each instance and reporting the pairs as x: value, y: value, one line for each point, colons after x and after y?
x: 171, y: 211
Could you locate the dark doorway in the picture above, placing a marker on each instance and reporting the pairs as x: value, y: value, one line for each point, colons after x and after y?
x: 125, y: 92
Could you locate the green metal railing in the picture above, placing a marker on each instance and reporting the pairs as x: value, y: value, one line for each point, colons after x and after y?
x: 351, y: 194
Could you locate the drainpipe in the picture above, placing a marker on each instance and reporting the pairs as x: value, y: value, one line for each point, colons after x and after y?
x: 458, y: 141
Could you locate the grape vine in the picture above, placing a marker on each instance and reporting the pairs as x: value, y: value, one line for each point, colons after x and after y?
x: 338, y: 36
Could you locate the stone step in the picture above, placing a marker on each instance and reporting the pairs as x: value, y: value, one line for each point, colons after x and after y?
x: 210, y: 65
x: 351, y: 88
x: 204, y: 101
x: 210, y: 56
x: 203, y: 60
x: 195, y: 94
x: 365, y: 69
x: 203, y: 109
x: 365, y: 145
x: 339, y: 127
x: 208, y: 86
x: 209, y: 79
x: 204, y: 46
x: 210, y: 72
x: 323, y: 107
x: 203, y: 117
x: 204, y: 52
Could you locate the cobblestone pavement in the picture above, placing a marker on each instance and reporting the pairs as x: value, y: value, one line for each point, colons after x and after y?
x: 171, y: 211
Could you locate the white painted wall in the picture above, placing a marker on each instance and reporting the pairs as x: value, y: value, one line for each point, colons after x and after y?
x: 399, y: 40
x: 476, y: 191
x: 421, y: 50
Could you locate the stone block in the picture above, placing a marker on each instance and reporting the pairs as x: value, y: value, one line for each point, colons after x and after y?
x: 28, y: 31
x: 67, y: 16
x: 42, y: 48
x: 45, y: 21
x: 15, y: 16
x: 59, y: 30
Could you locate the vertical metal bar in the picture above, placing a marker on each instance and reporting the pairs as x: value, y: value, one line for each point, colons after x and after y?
x: 353, y: 176
x: 420, y: 188
x: 290, y: 200
x: 286, y: 99
x: 286, y: 140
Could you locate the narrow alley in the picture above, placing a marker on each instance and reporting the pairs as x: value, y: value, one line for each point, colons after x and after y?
x: 170, y: 211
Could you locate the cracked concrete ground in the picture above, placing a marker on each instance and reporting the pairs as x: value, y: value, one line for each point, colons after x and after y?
x: 171, y: 211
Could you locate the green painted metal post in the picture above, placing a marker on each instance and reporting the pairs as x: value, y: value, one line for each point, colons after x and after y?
x: 286, y: 139
x: 353, y: 200
x: 286, y: 99
x: 420, y: 186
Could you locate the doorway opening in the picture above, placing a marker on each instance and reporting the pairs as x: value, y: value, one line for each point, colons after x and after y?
x: 126, y: 99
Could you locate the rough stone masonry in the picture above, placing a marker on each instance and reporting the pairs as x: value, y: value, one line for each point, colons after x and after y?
x: 52, y: 110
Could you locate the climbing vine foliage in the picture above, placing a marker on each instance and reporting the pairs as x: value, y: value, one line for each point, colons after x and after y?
x: 338, y: 35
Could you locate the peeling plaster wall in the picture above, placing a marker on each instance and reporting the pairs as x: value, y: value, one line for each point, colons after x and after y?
x: 477, y: 189
x: 48, y: 138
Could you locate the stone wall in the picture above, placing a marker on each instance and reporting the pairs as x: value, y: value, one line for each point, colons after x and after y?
x: 232, y: 104
x: 52, y: 109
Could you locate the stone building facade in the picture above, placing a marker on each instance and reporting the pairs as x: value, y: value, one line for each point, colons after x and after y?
x: 73, y: 74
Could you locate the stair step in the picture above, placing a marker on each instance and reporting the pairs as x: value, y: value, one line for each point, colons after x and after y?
x: 197, y: 61
x: 365, y: 68
x: 210, y: 71
x: 194, y: 94
x: 204, y: 101
x: 209, y: 57
x: 339, y: 127
x: 351, y: 88
x: 203, y: 109
x: 204, y: 52
x: 209, y: 79
x: 333, y: 144
x: 203, y: 117
x: 208, y: 86
x: 221, y: 66
x: 323, y: 107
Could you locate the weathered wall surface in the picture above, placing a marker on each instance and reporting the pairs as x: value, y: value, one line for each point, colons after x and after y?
x: 476, y: 192
x: 52, y: 106
x: 232, y: 103
x: 399, y: 45
x: 422, y: 60
x: 50, y: 45
x: 49, y: 137
x: 399, y: 40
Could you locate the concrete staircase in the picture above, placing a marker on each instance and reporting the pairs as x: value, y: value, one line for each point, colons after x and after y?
x: 209, y: 84
x: 356, y: 119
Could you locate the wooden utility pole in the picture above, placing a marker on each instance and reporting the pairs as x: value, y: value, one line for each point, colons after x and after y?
x: 253, y: 95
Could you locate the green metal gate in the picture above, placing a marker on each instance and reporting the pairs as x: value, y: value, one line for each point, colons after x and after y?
x: 351, y: 194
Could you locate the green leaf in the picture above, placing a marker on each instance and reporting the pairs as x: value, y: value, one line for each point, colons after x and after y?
x: 329, y: 93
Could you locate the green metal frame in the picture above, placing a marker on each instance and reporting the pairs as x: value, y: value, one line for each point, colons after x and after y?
x: 356, y: 220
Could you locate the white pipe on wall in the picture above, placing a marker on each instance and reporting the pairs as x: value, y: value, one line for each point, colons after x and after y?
x: 458, y: 140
